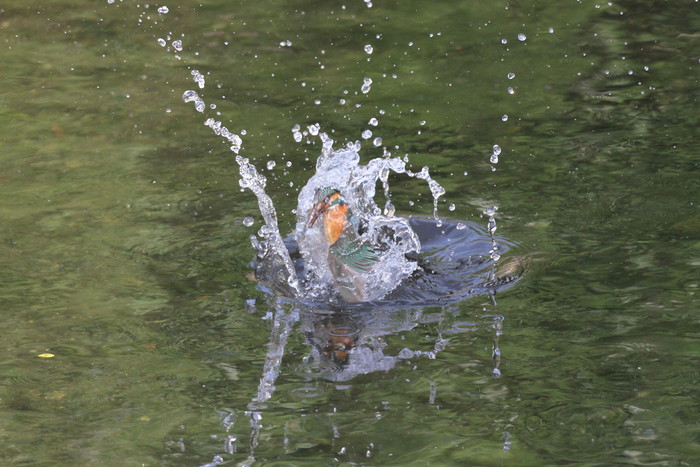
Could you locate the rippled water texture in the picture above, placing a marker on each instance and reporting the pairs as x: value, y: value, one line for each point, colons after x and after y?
x: 135, y: 331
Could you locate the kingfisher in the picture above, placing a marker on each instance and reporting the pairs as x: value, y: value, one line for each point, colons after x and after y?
x: 350, y: 259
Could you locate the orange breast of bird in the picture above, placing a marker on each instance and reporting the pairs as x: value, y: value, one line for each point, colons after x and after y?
x: 334, y: 222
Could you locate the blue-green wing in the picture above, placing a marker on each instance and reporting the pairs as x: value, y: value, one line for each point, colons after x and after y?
x: 355, y: 255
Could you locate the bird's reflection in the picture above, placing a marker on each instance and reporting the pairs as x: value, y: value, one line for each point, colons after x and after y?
x: 334, y: 337
x: 346, y: 344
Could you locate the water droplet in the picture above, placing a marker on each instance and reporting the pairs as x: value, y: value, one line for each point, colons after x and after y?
x: 511, y: 91
x: 366, y: 85
x: 248, y: 221
x: 373, y: 121
x: 490, y: 211
x: 461, y: 226
x: 496, y: 149
x: 377, y: 141
x: 504, y: 117
x: 297, y: 137
x: 522, y: 37
x: 452, y: 207
x: 161, y: 42
x: 177, y: 45
x: 367, y: 134
x: 289, y: 163
x: 314, y: 129
x: 271, y: 165
x: 504, y: 41
x: 511, y: 75
x: 163, y: 10
x: 389, y: 209
x: 494, y: 159
x: 198, y: 78
x: 192, y: 96
x: 369, y: 49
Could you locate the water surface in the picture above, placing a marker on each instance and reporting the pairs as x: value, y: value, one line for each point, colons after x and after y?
x: 125, y: 256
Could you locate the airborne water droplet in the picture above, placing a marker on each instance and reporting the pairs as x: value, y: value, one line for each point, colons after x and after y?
x: 366, y: 85
x: 248, y: 221
x: 163, y: 10
x: 198, y: 78
x: 369, y: 49
x: 314, y: 129
x: 522, y: 37
x: 192, y: 96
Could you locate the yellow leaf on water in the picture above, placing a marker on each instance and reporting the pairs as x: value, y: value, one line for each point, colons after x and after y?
x: 46, y: 355
x: 55, y: 395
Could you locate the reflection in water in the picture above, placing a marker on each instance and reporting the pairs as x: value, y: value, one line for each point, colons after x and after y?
x: 345, y: 345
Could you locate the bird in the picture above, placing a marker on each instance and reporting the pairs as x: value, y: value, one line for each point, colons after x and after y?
x: 350, y: 259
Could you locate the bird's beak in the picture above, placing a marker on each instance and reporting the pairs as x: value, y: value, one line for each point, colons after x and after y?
x: 316, y: 212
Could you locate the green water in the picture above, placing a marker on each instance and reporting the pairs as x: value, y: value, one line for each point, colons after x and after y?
x: 125, y: 257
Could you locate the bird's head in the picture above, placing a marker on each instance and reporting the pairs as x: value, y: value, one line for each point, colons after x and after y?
x: 325, y: 197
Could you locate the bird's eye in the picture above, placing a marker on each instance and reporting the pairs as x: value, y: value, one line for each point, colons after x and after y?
x: 327, y: 200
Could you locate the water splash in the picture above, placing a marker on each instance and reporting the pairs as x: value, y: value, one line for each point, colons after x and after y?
x: 272, y: 248
x: 460, y: 261
x: 494, y: 253
x: 435, y: 188
x: 390, y: 236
